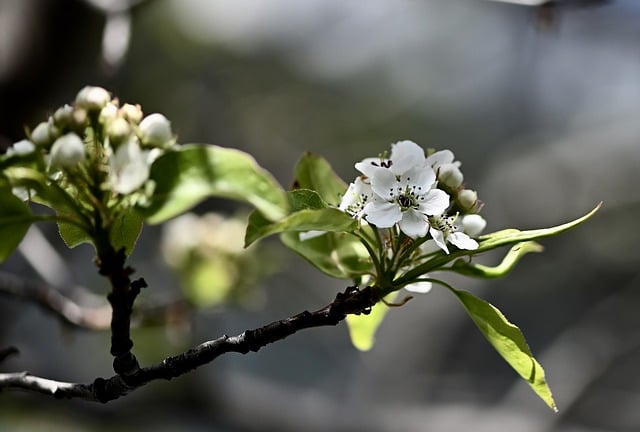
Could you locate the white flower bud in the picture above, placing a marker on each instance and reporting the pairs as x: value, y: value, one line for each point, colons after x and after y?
x: 118, y: 130
x: 132, y: 113
x: 473, y: 224
x: 467, y: 199
x: 450, y: 175
x: 63, y: 116
x: 108, y: 113
x: 21, y: 148
x: 155, y: 131
x: 129, y: 167
x: 67, y: 151
x: 92, y: 98
x: 41, y: 135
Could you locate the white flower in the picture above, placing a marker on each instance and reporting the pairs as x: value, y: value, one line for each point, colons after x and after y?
x: 447, y: 170
x: 419, y: 287
x: 21, y: 148
x: 473, y: 224
x: 443, y: 230
x: 129, y: 167
x: 358, y: 194
x: 67, y: 151
x: 155, y: 131
x: 92, y: 98
x: 406, y: 199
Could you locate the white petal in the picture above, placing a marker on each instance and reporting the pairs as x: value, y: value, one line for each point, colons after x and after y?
x: 422, y: 177
x: 406, y: 155
x: 450, y: 175
x: 368, y: 165
x: 419, y: 287
x: 438, y: 237
x: 440, y: 157
x: 383, y: 214
x: 434, y: 202
x: 462, y: 241
x: 349, y: 198
x: 414, y: 224
x: 384, y: 183
x: 430, y: 246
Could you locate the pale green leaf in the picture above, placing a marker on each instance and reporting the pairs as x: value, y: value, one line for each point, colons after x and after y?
x: 509, y: 341
x: 463, y: 266
x: 15, y: 219
x: 187, y: 176
x: 363, y: 328
x: 315, y: 173
x: 126, y: 230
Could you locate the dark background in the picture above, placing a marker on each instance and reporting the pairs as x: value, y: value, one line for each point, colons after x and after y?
x: 541, y: 105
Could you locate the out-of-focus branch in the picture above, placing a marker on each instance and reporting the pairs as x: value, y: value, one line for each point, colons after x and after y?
x: 352, y: 301
x: 88, y: 317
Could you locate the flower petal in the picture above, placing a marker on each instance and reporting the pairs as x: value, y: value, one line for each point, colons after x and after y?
x: 381, y: 213
x: 434, y: 202
x: 368, y: 166
x: 419, y: 287
x: 406, y: 155
x: 439, y: 158
x: 384, y: 183
x: 462, y: 241
x: 473, y: 224
x: 414, y: 224
x: 438, y: 237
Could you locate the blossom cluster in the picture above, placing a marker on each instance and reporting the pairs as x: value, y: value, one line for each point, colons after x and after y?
x: 99, y: 138
x: 424, y: 196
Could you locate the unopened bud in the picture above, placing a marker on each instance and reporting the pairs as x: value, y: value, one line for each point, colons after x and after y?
x: 41, y: 135
x: 118, y: 130
x: 132, y: 113
x: 21, y: 148
x: 467, y: 199
x: 155, y: 131
x: 450, y: 175
x: 108, y: 113
x: 63, y: 117
x: 92, y: 98
x: 67, y: 151
x: 473, y: 224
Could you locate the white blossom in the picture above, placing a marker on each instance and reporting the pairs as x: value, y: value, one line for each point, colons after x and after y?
x: 21, y: 148
x: 92, y: 98
x: 473, y: 224
x: 358, y: 194
x: 446, y: 168
x: 155, y: 131
x: 129, y: 167
x: 444, y: 231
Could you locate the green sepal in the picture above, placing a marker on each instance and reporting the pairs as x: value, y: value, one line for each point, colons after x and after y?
x: 15, y: 219
x: 193, y: 172
x: 516, y: 252
x: 509, y: 341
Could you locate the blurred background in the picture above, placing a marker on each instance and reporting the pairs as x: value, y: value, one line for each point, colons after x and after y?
x: 541, y: 105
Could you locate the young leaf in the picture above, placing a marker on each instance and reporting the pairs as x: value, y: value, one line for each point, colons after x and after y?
x: 15, y: 219
x: 340, y: 255
x: 314, y: 172
x: 363, y: 328
x: 508, y: 340
x: 126, y: 229
x: 194, y: 172
x: 72, y: 235
x: 509, y: 261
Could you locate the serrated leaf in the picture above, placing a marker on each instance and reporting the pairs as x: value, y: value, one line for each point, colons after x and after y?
x: 185, y: 177
x: 363, y: 328
x: 15, y: 219
x: 73, y: 235
x: 509, y: 341
x: 340, y: 255
x: 509, y: 261
x: 315, y: 173
x: 304, y: 199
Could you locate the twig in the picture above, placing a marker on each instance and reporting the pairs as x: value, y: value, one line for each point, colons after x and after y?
x: 352, y: 301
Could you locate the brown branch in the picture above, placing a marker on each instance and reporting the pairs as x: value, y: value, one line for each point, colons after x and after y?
x: 352, y: 301
x: 92, y: 318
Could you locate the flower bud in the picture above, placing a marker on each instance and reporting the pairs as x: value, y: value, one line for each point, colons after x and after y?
x: 92, y: 98
x: 450, y: 175
x: 21, y: 148
x: 67, y: 151
x: 467, y: 199
x: 108, y: 113
x: 63, y: 117
x: 155, y: 131
x: 41, y: 135
x: 118, y: 130
x: 132, y: 113
x: 473, y: 224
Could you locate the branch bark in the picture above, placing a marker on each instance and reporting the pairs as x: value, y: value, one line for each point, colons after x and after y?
x: 352, y: 301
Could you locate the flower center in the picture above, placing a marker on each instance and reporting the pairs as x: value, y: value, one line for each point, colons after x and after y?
x: 406, y: 201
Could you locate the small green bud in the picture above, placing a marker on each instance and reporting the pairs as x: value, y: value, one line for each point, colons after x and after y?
x: 155, y: 131
x: 67, y: 151
x: 92, y: 98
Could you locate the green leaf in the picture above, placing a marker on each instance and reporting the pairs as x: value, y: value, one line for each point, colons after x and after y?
x: 310, y: 214
x: 72, y: 234
x: 126, y: 230
x: 340, y: 255
x: 510, y: 260
x: 15, y: 219
x: 508, y: 340
x: 194, y: 172
x: 315, y: 173
x: 363, y: 328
